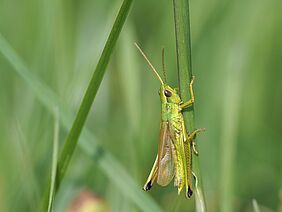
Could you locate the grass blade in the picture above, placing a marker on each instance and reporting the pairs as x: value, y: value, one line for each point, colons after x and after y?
x: 255, y: 206
x: 54, y: 161
x: 91, y: 92
x: 184, y: 65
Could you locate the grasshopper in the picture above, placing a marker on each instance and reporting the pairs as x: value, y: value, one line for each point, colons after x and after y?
x: 176, y: 146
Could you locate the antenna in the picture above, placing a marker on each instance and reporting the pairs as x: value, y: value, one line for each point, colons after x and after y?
x: 149, y: 63
x: 163, y: 55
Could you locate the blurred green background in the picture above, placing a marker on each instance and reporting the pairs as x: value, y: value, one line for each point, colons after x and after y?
x: 237, y: 61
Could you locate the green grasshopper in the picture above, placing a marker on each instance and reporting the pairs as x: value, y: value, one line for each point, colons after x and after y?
x: 174, y: 158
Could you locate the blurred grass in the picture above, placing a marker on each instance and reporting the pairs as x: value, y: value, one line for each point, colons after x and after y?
x: 61, y: 41
x: 111, y: 168
x: 54, y: 162
x: 255, y: 206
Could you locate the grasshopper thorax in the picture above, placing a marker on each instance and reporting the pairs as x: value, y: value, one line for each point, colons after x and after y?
x: 168, y: 95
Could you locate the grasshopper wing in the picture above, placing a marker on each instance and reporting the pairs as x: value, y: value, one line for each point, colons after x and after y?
x: 165, y: 156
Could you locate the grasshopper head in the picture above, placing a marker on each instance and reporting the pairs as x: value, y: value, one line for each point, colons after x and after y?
x: 168, y: 94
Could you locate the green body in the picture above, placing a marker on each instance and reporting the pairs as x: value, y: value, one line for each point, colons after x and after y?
x: 175, y: 147
x: 172, y: 116
x: 174, y: 158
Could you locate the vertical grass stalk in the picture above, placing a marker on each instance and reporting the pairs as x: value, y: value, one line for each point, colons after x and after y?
x: 91, y: 92
x: 54, y: 160
x: 184, y: 65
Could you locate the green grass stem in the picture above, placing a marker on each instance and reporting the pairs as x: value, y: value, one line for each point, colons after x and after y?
x: 91, y: 92
x: 184, y: 65
x: 255, y: 205
x: 54, y: 161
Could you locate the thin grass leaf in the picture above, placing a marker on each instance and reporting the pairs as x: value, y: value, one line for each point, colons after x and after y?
x: 91, y: 92
x: 200, y: 204
x: 21, y: 153
x: 54, y: 161
x: 230, y: 126
x: 255, y: 205
x: 88, y: 142
x: 89, y: 96
x: 184, y: 65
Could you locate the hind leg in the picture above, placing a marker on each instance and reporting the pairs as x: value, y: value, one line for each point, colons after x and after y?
x: 152, y: 176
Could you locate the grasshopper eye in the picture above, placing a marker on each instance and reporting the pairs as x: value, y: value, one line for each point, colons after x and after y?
x: 167, y: 93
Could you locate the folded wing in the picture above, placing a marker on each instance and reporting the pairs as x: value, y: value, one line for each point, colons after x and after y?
x: 165, y: 156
